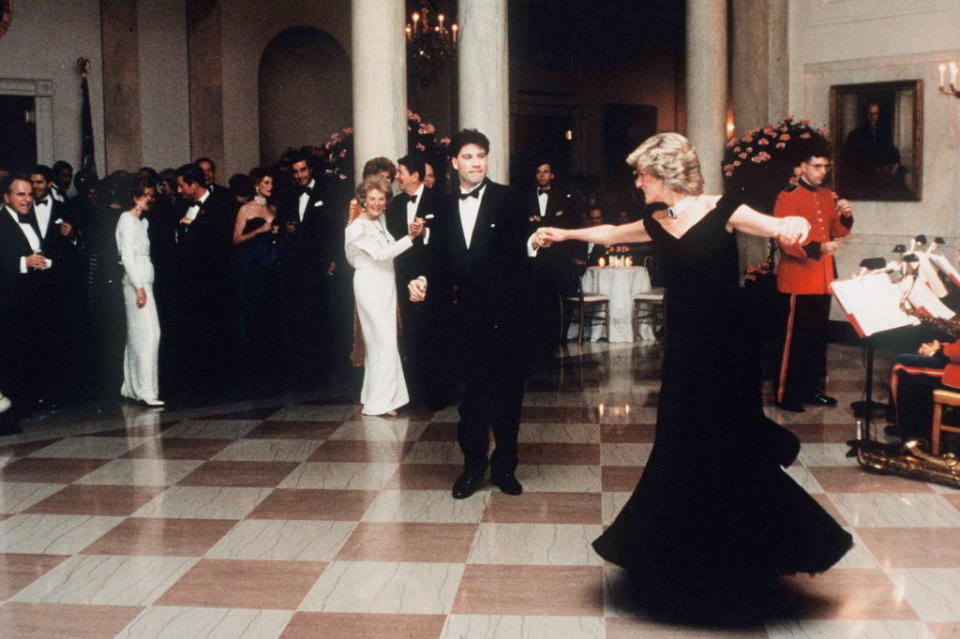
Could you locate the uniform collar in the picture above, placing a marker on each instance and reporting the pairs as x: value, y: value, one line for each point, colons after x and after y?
x: 807, y: 185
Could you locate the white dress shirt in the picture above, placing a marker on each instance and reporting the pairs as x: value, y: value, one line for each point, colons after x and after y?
x: 305, y: 199
x: 195, y: 207
x: 43, y: 214
x: 542, y: 201
x: 469, y: 208
x: 412, y: 208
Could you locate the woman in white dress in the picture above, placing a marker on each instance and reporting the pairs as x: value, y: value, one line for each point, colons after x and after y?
x: 140, y: 377
x: 370, y: 250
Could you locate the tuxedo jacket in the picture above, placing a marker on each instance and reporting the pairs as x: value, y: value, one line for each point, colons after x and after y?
x: 20, y: 293
x: 556, y: 213
x: 413, y: 262
x: 311, y: 247
x: 485, y: 284
x: 205, y: 246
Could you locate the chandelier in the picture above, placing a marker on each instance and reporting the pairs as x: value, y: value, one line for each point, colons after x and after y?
x: 430, y: 43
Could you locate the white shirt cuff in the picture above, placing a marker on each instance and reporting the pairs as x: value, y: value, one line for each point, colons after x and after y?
x: 531, y: 252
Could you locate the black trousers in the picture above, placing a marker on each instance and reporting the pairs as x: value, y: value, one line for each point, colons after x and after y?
x: 494, y: 379
x: 803, y: 362
x: 913, y: 378
x: 425, y: 352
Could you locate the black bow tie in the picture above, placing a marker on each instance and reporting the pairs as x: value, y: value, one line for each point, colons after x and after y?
x: 44, y: 201
x: 542, y: 192
x: 306, y: 190
x: 30, y: 219
x: 474, y: 193
x: 413, y: 199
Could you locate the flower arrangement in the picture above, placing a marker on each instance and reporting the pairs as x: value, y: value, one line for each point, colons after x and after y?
x: 335, y: 156
x: 758, y: 165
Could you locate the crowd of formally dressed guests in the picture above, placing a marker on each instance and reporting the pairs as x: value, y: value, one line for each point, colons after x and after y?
x: 161, y: 285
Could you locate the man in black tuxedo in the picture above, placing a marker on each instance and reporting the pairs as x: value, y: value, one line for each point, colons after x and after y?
x: 209, y: 169
x: 587, y: 253
x: 551, y: 271
x: 312, y: 240
x: 28, y: 291
x: 62, y: 177
x: 204, y: 301
x: 478, y: 263
x: 422, y: 329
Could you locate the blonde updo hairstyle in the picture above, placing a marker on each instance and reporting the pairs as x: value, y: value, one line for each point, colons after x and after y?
x: 670, y: 157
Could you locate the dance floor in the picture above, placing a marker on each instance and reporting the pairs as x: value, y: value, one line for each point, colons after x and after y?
x: 297, y: 517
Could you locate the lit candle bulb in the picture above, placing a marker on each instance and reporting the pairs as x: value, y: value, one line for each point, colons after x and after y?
x: 409, y: 31
x: 601, y: 262
x: 943, y: 72
x: 416, y: 24
x: 440, y: 19
x: 953, y: 74
x: 454, y: 28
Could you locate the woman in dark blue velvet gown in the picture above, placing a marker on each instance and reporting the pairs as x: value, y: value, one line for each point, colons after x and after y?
x: 713, y: 510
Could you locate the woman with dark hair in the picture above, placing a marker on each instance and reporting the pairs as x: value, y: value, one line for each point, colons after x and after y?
x: 140, y: 372
x: 258, y: 296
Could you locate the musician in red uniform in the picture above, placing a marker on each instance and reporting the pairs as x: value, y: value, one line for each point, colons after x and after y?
x: 804, y: 273
x: 913, y: 379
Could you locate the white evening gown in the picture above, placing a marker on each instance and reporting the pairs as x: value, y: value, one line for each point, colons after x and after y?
x: 140, y: 377
x: 370, y: 250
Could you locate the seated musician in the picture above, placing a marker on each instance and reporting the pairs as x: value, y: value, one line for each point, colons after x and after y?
x: 913, y: 379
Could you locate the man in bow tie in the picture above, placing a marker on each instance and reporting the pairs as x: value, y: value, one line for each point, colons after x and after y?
x: 480, y: 247
x: 422, y: 331
x: 28, y: 311
x: 312, y: 240
x: 204, y: 282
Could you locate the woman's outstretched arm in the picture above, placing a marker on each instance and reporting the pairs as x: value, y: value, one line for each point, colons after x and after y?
x: 790, y: 230
x: 605, y: 234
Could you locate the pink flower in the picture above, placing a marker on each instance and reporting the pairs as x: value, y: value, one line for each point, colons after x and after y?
x: 420, y: 147
x: 742, y: 156
x: 763, y: 141
x: 737, y: 149
x: 444, y: 141
x: 825, y: 132
x: 805, y: 122
x: 780, y: 145
x: 784, y: 129
x: 412, y: 116
x: 348, y: 130
x: 736, y: 162
x: 343, y: 154
x: 732, y: 142
x: 748, y: 137
x: 749, y: 149
x: 336, y: 137
x: 728, y: 173
x: 805, y: 135
x: 768, y: 130
x: 727, y: 167
x: 785, y: 137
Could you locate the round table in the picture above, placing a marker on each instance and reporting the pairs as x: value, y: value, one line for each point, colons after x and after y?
x: 620, y: 285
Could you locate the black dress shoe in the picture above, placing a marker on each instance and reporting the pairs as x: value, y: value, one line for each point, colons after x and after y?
x: 467, y: 484
x: 792, y: 406
x: 819, y: 399
x: 507, y: 483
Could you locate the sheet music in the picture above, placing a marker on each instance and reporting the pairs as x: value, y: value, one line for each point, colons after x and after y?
x: 926, y: 301
x: 944, y: 265
x: 872, y: 303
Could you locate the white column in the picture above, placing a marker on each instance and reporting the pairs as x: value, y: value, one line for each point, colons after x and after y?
x: 379, y: 80
x: 707, y: 85
x: 484, y: 78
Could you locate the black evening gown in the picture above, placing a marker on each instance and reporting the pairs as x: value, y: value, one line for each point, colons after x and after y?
x: 258, y: 297
x: 713, y: 508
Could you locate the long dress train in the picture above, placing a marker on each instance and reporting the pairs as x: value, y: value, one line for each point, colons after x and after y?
x: 370, y: 250
x: 140, y: 358
x: 713, y: 508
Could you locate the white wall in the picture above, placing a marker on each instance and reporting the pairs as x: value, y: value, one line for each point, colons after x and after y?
x: 43, y: 43
x: 164, y: 85
x: 856, y: 41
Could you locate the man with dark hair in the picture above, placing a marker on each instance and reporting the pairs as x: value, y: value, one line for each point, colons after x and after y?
x: 311, y: 231
x: 28, y: 292
x: 804, y: 273
x: 62, y: 177
x: 204, y: 282
x: 478, y: 265
x: 209, y: 169
x: 422, y: 334
x: 429, y: 177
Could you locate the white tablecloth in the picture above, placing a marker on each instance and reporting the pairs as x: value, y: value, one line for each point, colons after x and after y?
x: 620, y: 284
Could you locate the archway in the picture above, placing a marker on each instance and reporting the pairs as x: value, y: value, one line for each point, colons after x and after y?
x: 305, y: 90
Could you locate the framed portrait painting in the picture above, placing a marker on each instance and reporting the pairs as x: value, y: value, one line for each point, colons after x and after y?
x: 877, y: 136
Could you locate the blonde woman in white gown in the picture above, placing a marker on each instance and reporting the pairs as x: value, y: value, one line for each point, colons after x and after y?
x: 140, y: 376
x: 370, y: 250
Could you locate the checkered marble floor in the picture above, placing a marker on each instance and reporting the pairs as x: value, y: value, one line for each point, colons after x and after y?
x: 298, y: 517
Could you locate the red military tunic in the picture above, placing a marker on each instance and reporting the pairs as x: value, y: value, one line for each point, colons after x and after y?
x: 804, y: 270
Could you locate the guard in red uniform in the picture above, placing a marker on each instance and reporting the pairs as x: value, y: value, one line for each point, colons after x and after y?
x: 804, y: 273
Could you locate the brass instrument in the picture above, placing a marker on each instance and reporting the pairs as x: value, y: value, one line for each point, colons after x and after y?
x: 909, y: 459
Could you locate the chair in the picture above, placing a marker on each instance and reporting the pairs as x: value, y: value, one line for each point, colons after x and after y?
x: 597, y: 304
x: 941, y: 399
x: 648, y: 307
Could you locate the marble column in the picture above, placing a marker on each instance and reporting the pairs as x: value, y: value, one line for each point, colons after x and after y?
x: 121, y: 84
x: 205, y: 59
x: 485, y: 78
x: 707, y: 85
x: 379, y: 80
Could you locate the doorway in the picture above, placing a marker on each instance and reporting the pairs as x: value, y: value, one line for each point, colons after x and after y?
x: 18, y: 132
